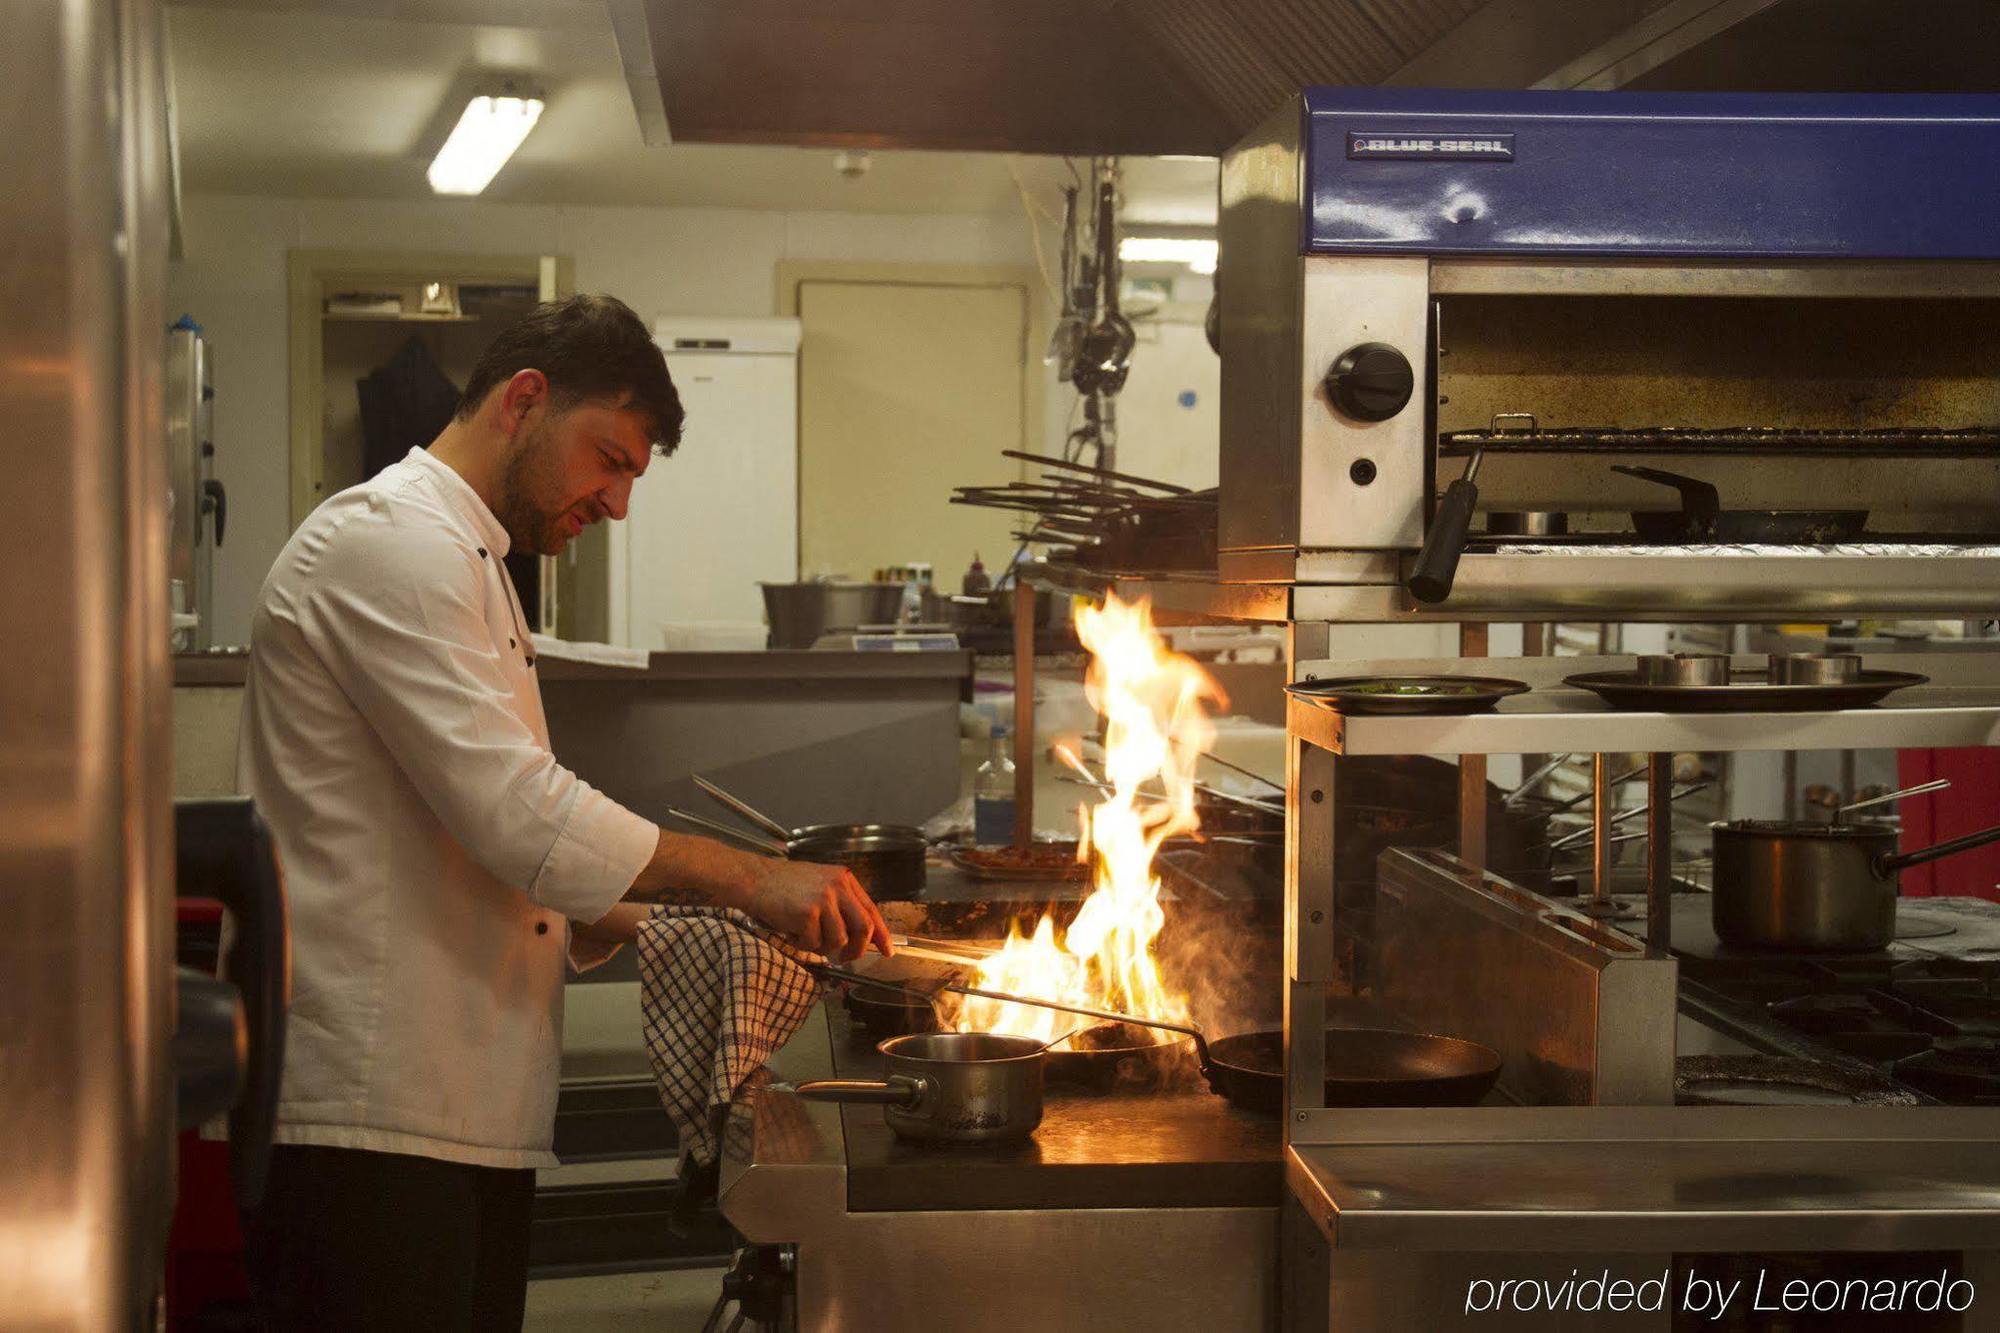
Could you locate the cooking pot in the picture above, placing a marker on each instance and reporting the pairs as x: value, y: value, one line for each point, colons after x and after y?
x: 950, y: 1087
x: 1783, y: 884
x: 887, y: 859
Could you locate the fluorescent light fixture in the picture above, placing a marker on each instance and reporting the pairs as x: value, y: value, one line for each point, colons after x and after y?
x: 1197, y: 252
x: 485, y: 137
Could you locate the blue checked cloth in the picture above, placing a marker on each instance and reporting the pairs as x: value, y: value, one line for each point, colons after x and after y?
x: 717, y: 996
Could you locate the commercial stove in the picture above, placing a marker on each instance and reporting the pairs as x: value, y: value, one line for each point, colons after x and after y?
x: 1088, y: 1225
x: 1111, y: 1216
x: 1924, y: 1013
x: 1792, y: 299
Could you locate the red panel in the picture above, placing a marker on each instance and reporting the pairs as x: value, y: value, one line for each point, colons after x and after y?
x: 205, y: 1246
x: 1971, y: 803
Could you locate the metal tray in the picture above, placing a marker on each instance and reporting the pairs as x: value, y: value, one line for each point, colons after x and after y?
x: 1749, y: 693
x: 1339, y: 695
x: 975, y: 869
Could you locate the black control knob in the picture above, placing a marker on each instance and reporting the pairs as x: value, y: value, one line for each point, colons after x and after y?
x: 1371, y: 382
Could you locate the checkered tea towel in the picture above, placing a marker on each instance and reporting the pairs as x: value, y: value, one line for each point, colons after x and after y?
x: 716, y: 997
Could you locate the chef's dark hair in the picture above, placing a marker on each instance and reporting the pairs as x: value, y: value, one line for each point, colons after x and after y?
x: 590, y: 347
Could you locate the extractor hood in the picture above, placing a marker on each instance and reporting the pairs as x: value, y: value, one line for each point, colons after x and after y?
x: 1192, y: 76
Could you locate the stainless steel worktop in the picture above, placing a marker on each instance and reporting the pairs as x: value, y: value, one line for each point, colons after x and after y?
x: 223, y: 668
x: 1638, y: 1180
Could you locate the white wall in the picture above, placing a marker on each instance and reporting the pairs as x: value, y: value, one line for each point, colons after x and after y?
x: 661, y: 261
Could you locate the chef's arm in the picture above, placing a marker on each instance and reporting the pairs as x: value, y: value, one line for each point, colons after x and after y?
x: 823, y: 907
x: 620, y: 925
x: 398, y: 621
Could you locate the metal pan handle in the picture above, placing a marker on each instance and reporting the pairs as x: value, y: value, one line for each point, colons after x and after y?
x: 1886, y: 865
x: 742, y: 837
x: 896, y: 1090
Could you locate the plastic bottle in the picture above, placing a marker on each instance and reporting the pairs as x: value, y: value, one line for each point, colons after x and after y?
x: 993, y: 795
x: 975, y: 583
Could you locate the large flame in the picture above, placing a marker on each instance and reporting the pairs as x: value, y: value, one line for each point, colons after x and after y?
x: 1155, y: 705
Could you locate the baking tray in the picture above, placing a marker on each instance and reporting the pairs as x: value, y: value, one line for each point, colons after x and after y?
x: 1624, y: 690
x: 1340, y: 695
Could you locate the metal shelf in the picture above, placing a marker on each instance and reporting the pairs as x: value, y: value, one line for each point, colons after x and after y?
x: 1193, y: 595
x: 1560, y: 719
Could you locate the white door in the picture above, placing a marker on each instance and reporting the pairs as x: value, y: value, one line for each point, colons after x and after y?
x: 906, y: 389
x: 719, y: 516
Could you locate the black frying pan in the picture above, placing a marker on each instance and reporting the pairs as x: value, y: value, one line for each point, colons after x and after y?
x: 1701, y: 517
x: 1364, y: 1066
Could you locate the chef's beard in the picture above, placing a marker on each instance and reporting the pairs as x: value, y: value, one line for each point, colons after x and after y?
x: 528, y: 487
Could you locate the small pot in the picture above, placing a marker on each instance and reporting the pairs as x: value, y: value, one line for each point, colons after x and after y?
x: 1813, y: 887
x: 1684, y: 669
x: 1814, y: 668
x: 888, y: 859
x: 950, y: 1087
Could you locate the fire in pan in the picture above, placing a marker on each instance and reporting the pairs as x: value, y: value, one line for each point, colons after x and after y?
x: 1098, y: 1055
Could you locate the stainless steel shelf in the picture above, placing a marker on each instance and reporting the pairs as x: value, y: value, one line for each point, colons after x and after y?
x: 1575, y: 722
x: 1176, y: 594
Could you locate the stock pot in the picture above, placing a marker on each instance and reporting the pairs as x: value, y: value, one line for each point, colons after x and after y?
x: 1787, y: 884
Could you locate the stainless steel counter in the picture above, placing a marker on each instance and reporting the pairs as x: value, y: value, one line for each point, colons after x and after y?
x: 227, y: 667
x: 1628, y: 1192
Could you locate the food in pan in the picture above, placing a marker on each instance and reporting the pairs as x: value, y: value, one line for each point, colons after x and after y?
x: 1409, y: 689
x: 1041, y: 860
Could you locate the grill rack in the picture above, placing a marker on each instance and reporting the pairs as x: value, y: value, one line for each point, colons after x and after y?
x: 1773, y: 441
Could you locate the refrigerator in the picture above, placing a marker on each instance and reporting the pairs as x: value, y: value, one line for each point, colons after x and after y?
x: 199, y: 512
x: 710, y: 523
x: 105, y: 1048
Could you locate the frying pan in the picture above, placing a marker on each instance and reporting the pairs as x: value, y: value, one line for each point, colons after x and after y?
x: 888, y: 859
x: 1702, y: 518
x: 1096, y: 1056
x: 1364, y: 1066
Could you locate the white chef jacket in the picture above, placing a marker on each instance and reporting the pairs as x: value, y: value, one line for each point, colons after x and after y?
x: 434, y: 851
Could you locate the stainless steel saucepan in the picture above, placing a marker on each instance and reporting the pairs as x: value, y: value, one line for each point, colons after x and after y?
x: 950, y: 1087
x: 1790, y: 884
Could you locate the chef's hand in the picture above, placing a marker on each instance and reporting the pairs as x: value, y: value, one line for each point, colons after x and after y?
x: 823, y: 907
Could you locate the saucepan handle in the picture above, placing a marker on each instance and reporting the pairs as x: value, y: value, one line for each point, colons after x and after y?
x: 896, y: 1090
x: 1886, y: 865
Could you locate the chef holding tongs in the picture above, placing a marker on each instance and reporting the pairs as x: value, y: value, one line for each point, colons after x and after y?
x: 441, y: 866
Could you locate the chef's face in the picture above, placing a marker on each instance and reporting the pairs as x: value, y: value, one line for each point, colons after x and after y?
x: 570, y: 467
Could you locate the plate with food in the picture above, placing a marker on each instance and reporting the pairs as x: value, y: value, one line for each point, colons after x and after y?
x: 1428, y: 696
x: 1036, y: 861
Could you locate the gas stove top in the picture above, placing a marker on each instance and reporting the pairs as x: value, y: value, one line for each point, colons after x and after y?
x: 1925, y: 1011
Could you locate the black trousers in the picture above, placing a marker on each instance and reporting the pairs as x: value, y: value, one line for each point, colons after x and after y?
x: 350, y: 1240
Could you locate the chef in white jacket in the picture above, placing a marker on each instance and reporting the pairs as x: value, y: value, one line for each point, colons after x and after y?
x: 441, y: 866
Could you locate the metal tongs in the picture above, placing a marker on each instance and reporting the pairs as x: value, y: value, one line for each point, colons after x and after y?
x: 1919, y: 790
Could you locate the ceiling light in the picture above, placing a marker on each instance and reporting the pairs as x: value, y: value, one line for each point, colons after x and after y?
x: 485, y: 137
x: 1197, y: 252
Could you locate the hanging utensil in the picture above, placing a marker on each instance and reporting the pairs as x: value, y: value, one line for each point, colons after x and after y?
x: 1069, y: 325
x: 1105, y: 352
